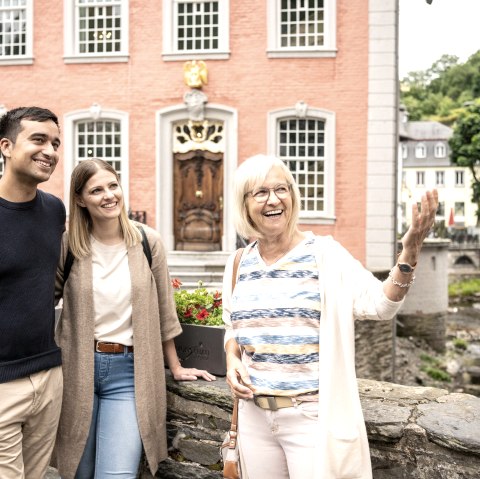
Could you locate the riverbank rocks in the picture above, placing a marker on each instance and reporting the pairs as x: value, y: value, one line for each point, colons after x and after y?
x: 414, y: 432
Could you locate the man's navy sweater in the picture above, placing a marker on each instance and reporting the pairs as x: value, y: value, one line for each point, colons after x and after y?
x: 30, y: 237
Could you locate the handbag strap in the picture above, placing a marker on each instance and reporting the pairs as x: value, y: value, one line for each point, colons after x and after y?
x: 232, y: 443
x: 236, y: 262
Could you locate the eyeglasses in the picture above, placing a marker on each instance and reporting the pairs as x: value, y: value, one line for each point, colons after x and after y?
x: 260, y: 195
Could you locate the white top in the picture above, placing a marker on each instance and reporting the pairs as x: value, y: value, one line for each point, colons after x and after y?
x: 112, y: 290
x: 347, y: 292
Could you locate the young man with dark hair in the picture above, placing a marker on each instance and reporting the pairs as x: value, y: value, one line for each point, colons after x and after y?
x: 31, y: 227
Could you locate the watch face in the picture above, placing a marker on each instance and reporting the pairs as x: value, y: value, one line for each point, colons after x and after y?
x: 405, y: 268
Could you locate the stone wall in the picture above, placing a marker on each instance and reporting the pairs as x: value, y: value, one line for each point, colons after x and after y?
x: 414, y: 432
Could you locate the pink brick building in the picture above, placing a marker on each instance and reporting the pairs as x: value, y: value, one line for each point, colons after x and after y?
x: 313, y: 81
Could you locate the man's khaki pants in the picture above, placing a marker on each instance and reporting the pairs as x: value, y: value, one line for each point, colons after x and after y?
x: 29, y: 414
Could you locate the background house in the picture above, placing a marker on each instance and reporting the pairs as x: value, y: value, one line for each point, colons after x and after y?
x: 425, y: 164
x: 313, y: 81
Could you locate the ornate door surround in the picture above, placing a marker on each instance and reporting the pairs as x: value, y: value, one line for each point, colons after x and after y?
x: 168, y: 119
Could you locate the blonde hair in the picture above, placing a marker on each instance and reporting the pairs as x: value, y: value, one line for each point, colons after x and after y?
x: 80, y: 222
x: 253, y: 171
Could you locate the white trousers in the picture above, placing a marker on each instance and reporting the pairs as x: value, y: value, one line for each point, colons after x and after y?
x: 278, y: 444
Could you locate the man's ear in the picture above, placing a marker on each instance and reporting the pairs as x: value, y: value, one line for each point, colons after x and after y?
x: 5, y: 147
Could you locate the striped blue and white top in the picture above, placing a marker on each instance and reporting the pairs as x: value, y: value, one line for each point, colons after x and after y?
x: 276, y: 318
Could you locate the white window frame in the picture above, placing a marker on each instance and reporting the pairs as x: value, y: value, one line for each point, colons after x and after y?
x: 420, y: 150
x: 440, y: 178
x: 440, y: 151
x: 459, y: 178
x: 70, y: 142
x: 274, y: 48
x: 27, y: 58
x: 327, y: 216
x: 170, y: 52
x: 420, y: 178
x: 404, y: 151
x: 71, y: 50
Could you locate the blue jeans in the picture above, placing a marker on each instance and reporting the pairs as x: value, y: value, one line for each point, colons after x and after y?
x: 114, y: 446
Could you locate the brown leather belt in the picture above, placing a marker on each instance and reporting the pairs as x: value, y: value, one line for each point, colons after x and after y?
x: 272, y: 403
x: 112, y: 348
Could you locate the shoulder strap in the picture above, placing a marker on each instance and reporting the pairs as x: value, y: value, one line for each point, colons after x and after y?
x: 70, y: 258
x: 146, y: 246
x: 236, y: 262
x: 68, y: 265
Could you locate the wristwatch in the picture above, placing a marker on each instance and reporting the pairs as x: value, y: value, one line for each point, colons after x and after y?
x: 406, y: 268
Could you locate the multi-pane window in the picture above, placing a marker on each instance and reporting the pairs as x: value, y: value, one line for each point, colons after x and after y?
x: 420, y: 178
x: 15, y: 31
x: 440, y: 150
x: 302, y: 27
x: 302, y: 23
x: 420, y: 150
x: 96, y: 30
x: 404, y: 151
x: 99, y: 26
x: 459, y: 178
x: 196, y: 27
x: 99, y: 139
x: 440, y: 178
x: 301, y: 144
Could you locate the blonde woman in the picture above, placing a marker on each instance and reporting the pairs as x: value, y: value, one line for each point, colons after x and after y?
x: 117, y: 325
x: 292, y: 312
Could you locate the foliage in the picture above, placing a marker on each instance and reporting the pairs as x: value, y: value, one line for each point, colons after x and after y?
x: 432, y: 368
x: 440, y: 92
x: 437, y: 374
x: 199, y: 306
x: 460, y: 343
x: 426, y: 358
x: 465, y: 146
x: 467, y: 287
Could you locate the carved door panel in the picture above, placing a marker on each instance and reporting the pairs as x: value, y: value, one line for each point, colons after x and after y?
x: 198, y: 200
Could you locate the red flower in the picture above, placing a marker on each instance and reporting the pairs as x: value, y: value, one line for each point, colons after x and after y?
x: 202, y: 314
x: 188, y: 313
x: 176, y: 283
x: 216, y: 295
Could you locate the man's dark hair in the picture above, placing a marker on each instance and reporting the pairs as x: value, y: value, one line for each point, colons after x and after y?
x: 10, y: 122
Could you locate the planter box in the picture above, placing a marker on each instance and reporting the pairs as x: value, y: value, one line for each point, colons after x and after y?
x: 201, y: 347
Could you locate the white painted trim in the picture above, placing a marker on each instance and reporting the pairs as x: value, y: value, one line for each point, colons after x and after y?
x: 382, y: 143
x: 70, y: 44
x: 69, y: 121
x: 274, y: 50
x: 328, y: 215
x: 164, y: 168
x: 170, y: 53
x: 27, y: 58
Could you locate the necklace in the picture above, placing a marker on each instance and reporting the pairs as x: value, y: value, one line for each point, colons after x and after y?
x: 270, y: 262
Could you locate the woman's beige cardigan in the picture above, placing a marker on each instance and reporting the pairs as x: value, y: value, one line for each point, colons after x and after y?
x: 154, y: 320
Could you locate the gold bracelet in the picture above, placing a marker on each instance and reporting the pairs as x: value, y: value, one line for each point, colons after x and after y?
x: 400, y: 285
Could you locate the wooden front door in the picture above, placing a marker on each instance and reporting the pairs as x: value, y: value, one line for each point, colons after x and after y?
x: 198, y: 200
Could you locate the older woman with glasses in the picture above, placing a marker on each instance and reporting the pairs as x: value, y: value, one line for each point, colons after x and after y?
x: 290, y: 330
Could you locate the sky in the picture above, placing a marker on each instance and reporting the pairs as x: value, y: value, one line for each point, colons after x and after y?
x: 426, y: 32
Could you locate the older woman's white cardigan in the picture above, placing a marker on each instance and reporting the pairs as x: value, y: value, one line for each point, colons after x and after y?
x: 348, y: 291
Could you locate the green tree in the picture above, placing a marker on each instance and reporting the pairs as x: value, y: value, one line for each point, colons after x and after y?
x: 465, y: 145
x: 439, y: 93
